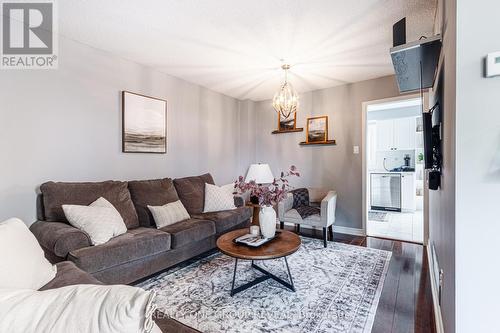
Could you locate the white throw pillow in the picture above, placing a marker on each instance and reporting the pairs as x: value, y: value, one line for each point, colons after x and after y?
x: 22, y: 260
x: 218, y: 198
x: 77, y: 308
x: 100, y: 220
x: 169, y: 214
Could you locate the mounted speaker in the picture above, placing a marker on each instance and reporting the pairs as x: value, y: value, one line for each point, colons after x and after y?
x: 434, y: 180
x: 399, y: 33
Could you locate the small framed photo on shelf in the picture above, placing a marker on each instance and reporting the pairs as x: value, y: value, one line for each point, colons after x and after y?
x: 317, y: 129
x: 287, y: 124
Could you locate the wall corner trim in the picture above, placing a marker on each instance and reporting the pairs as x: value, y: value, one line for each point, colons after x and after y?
x: 438, y: 319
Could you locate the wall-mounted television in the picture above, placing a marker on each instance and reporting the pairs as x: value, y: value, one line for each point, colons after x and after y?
x: 432, y: 138
x: 432, y: 123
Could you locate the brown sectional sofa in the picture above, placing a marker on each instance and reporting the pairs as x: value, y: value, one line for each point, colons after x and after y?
x: 143, y: 250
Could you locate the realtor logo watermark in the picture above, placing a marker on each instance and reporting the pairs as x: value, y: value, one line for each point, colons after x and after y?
x: 29, y: 38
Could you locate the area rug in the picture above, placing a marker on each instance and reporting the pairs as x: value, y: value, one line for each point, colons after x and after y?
x: 337, y: 290
x: 378, y: 216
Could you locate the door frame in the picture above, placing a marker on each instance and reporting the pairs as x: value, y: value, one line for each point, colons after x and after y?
x: 364, y: 152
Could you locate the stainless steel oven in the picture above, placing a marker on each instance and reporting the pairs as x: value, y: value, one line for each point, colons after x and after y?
x: 385, y: 191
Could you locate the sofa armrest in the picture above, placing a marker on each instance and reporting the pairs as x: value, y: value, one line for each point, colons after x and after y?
x: 59, y: 238
x: 284, y: 206
x: 328, y: 205
x: 239, y: 201
x: 68, y: 275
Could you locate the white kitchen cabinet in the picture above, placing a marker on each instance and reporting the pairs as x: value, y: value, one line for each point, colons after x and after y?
x: 408, y: 191
x: 404, y: 133
x: 385, y: 135
x: 396, y: 134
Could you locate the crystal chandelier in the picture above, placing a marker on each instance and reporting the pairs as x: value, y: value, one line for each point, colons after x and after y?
x: 286, y: 100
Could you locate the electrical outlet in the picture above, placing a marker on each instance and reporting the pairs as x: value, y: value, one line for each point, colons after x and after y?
x: 355, y: 150
x: 441, y: 281
x: 493, y: 64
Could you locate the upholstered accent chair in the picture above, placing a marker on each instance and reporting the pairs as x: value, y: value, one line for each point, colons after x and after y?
x: 325, y: 201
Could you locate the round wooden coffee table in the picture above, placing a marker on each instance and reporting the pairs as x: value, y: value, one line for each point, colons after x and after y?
x: 283, y: 245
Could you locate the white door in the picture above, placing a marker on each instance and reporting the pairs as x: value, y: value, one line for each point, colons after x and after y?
x: 385, y: 135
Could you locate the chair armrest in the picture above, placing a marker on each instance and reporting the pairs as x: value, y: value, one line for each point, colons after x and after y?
x: 239, y: 201
x: 328, y: 205
x: 316, y: 194
x: 59, y: 238
x: 284, y: 206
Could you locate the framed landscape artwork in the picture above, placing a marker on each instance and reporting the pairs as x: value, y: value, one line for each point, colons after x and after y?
x: 144, y: 122
x: 287, y: 124
x: 317, y: 129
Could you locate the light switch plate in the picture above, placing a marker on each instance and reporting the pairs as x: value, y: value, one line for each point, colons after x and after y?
x: 355, y: 149
x: 493, y: 64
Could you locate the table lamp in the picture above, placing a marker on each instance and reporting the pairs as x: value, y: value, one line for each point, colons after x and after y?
x: 261, y: 174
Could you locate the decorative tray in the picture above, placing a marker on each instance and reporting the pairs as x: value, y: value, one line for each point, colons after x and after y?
x: 254, y: 241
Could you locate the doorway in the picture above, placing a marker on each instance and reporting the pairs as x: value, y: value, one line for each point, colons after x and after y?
x: 394, y: 193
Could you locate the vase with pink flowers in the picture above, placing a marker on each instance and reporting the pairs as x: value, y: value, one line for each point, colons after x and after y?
x: 269, y: 195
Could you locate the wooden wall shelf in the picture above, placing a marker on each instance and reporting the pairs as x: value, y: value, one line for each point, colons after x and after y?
x: 287, y: 131
x: 327, y: 143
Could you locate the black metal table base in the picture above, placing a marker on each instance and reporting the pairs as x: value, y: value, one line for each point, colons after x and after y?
x: 267, y: 275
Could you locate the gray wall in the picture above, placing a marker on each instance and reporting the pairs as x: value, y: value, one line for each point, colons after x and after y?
x: 464, y: 220
x: 442, y: 202
x: 477, y: 230
x: 248, y: 144
x: 65, y: 125
x: 333, y: 167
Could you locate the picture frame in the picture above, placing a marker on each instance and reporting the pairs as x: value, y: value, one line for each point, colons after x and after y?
x: 287, y: 124
x: 317, y: 129
x: 144, y: 124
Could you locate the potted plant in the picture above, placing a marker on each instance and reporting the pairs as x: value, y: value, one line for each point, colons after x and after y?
x: 269, y: 196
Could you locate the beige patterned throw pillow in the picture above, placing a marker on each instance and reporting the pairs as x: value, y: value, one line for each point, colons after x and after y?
x: 169, y: 214
x: 100, y: 220
x: 218, y: 198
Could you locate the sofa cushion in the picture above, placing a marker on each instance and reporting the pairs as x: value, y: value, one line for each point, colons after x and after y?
x: 22, y: 261
x: 218, y: 198
x: 169, y: 214
x: 155, y: 192
x: 191, y: 191
x: 59, y: 238
x: 133, y: 245
x: 77, y: 308
x: 57, y: 194
x: 189, y: 231
x: 228, y: 219
x: 68, y: 274
x: 100, y: 220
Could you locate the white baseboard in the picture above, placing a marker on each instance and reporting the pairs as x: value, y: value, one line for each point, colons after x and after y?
x: 435, y: 292
x: 348, y: 230
x: 338, y: 228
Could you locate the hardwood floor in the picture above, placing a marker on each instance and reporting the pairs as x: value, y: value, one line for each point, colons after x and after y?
x: 406, y: 301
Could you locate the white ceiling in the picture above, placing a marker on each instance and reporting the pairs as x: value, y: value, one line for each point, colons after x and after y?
x: 235, y: 46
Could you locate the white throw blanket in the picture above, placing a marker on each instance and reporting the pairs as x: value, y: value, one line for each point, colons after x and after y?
x: 79, y: 308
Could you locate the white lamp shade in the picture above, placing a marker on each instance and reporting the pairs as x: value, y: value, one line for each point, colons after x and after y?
x: 260, y: 173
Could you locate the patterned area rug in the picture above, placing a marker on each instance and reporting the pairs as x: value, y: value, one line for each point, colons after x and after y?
x: 338, y: 289
x: 378, y: 216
